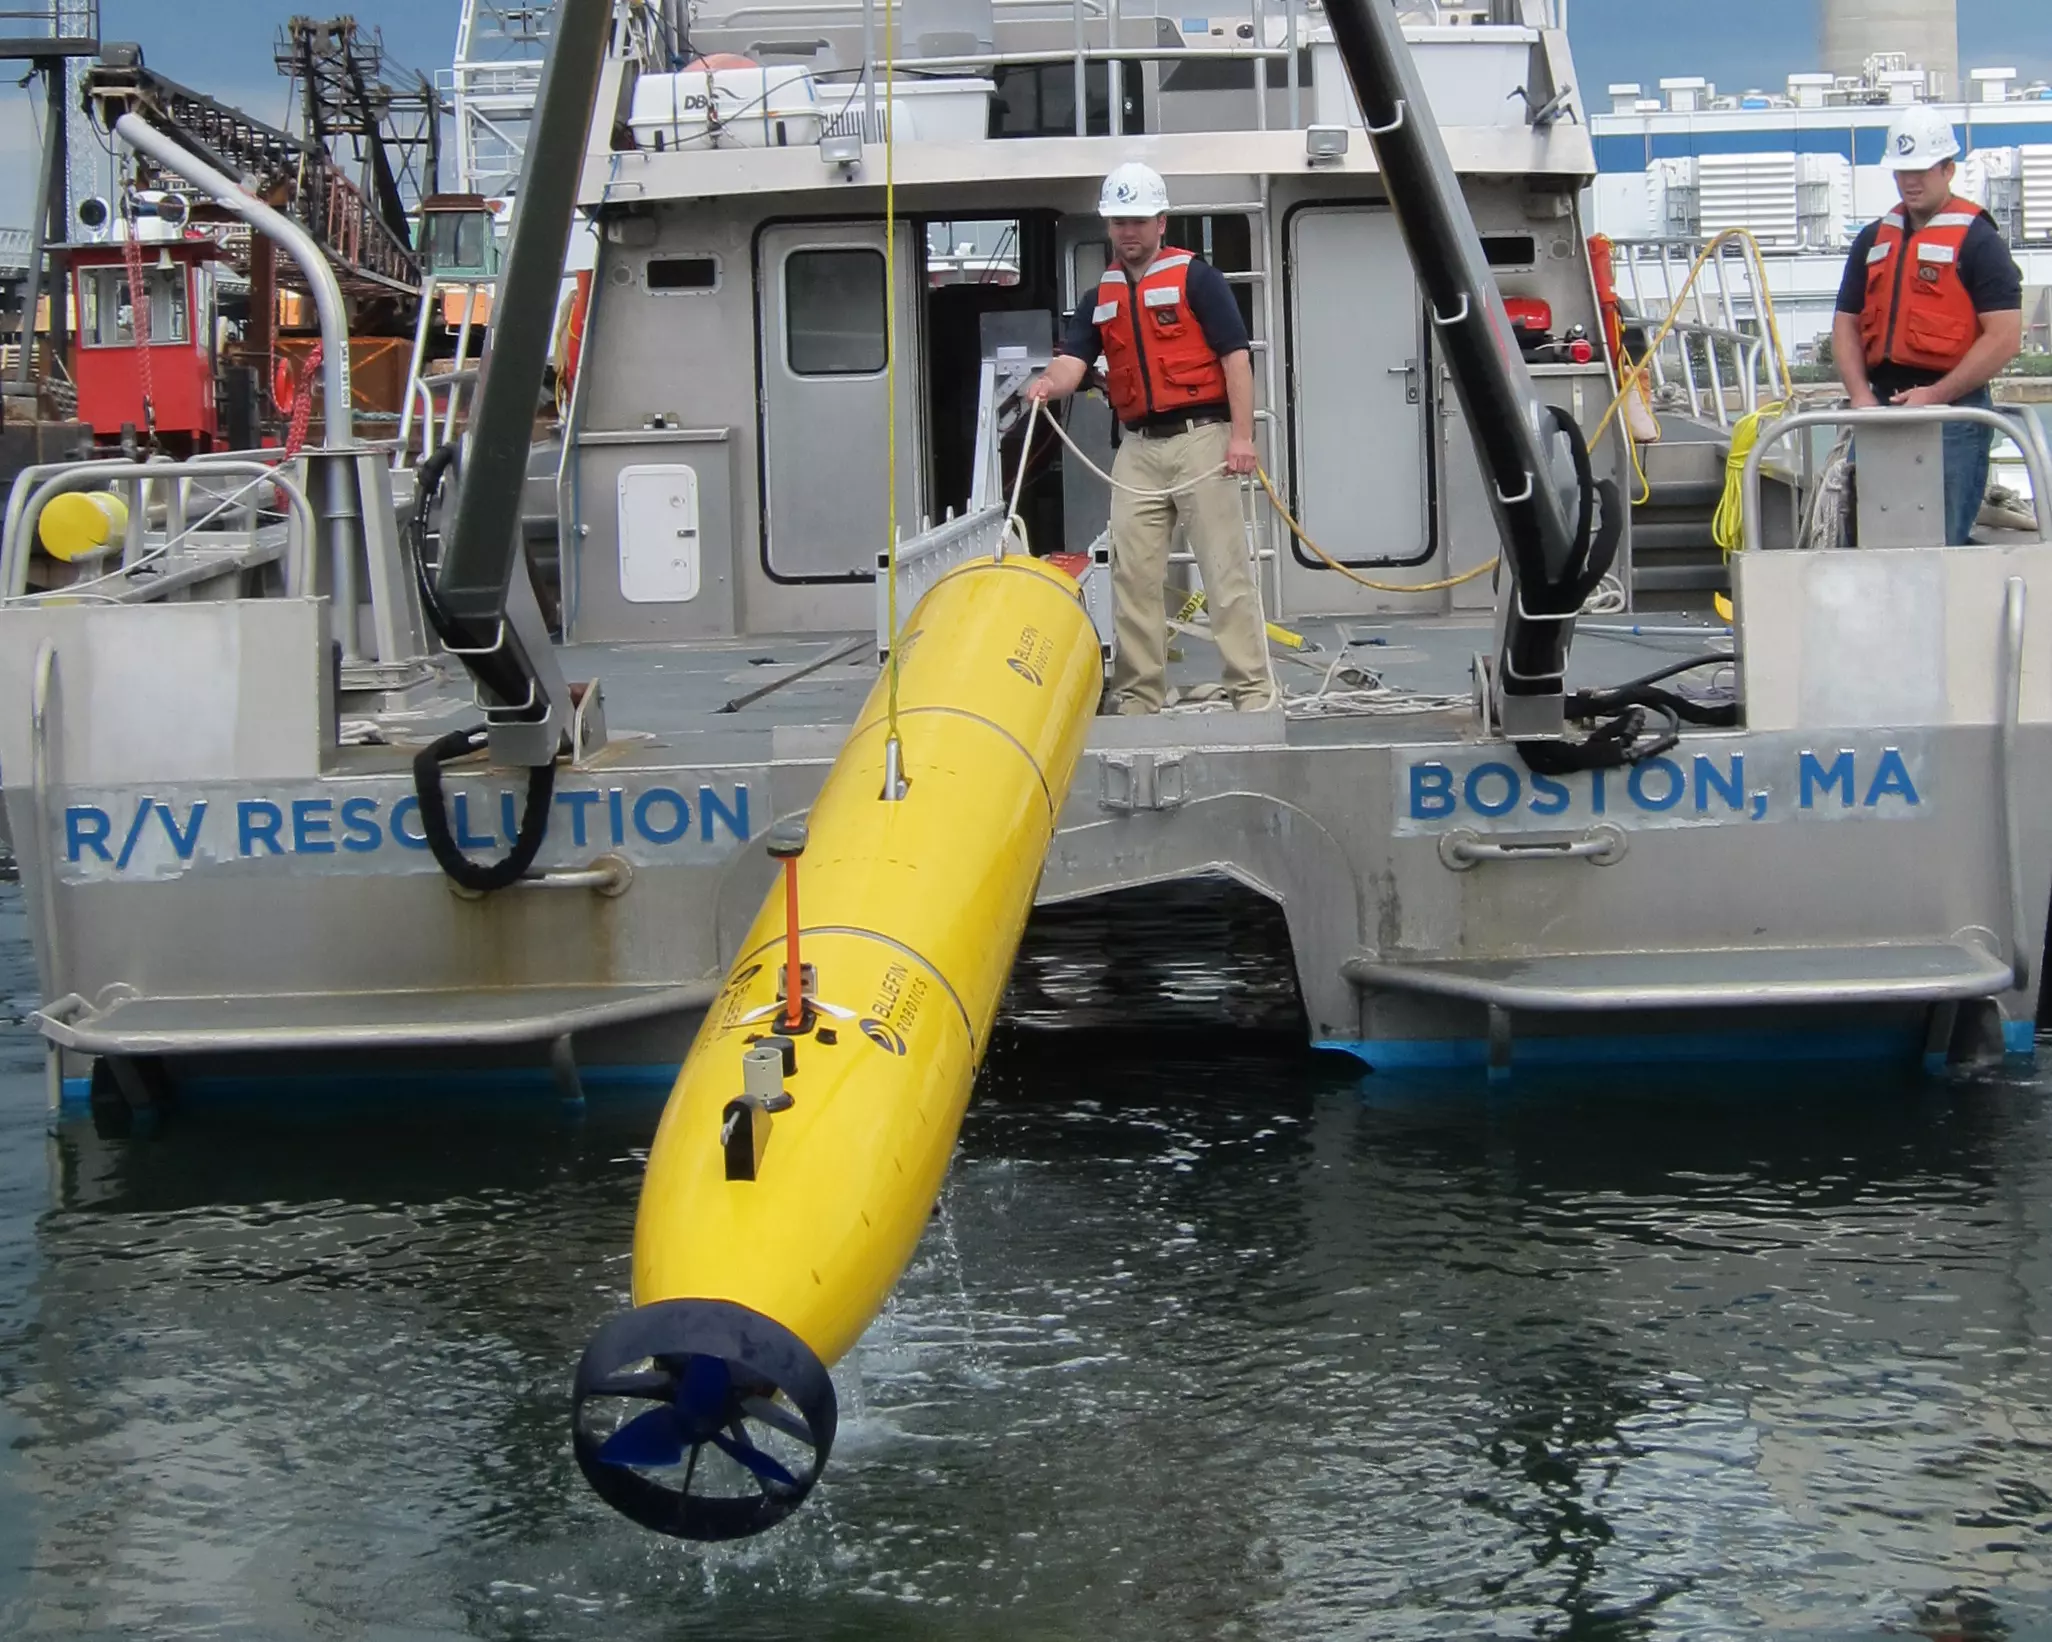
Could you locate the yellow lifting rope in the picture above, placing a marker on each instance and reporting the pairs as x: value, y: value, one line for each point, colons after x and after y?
x: 891, y: 364
x: 1297, y: 531
x: 1632, y: 377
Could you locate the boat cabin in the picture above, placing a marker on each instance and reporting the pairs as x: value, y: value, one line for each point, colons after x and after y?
x: 738, y: 361
x: 170, y: 389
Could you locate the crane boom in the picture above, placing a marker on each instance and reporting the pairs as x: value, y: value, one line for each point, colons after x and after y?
x: 1559, y: 525
x: 351, y: 232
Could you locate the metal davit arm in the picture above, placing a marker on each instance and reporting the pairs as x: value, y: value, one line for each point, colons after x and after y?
x: 1556, y: 541
x: 481, y: 546
x: 482, y: 613
x: 313, y: 266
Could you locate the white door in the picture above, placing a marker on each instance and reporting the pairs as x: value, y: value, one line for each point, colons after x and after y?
x: 826, y: 396
x: 1358, y: 391
x: 659, y: 536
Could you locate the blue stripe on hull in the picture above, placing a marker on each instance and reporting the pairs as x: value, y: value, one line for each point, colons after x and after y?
x: 383, y: 1085
x: 1448, y: 1054
x: 2019, y: 1039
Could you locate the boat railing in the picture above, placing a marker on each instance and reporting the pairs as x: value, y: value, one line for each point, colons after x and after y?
x: 1718, y: 355
x: 210, y: 523
x: 2025, y: 430
x: 1264, y: 31
x: 1722, y: 374
x: 923, y: 558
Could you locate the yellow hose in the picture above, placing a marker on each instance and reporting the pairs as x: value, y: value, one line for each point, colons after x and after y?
x: 1728, y: 525
x: 1633, y: 375
x: 1331, y: 563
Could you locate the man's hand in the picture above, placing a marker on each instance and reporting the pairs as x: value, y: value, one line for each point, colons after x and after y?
x: 1063, y: 376
x: 1240, y: 458
x: 1911, y: 398
x: 1862, y: 398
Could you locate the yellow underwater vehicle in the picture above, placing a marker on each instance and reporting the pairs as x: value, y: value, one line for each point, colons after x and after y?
x: 809, y: 1131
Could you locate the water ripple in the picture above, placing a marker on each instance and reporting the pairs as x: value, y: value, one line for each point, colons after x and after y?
x: 1201, y: 1344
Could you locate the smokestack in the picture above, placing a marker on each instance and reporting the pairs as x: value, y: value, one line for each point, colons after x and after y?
x: 1924, y: 31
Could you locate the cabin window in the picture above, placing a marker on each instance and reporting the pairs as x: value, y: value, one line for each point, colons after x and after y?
x: 1510, y: 250
x: 105, y: 319
x: 972, y: 253
x: 457, y: 239
x: 1039, y: 100
x: 682, y: 275
x: 834, y: 312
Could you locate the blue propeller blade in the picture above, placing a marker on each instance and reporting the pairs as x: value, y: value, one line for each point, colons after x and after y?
x: 654, y: 1438
x: 748, y: 1455
x: 703, y: 1391
x: 777, y: 1419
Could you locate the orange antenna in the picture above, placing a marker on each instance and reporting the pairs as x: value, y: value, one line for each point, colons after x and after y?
x: 786, y: 844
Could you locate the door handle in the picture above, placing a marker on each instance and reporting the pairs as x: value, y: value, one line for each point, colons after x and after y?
x: 1408, y: 370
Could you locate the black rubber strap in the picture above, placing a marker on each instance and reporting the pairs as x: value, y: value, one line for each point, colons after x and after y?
x: 434, y: 815
x: 1616, y: 740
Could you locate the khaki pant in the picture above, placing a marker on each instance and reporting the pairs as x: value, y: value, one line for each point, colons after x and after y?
x: 1140, y: 531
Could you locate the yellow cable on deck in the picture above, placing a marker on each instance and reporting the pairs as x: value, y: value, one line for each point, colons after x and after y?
x: 1728, y: 525
x: 1331, y: 563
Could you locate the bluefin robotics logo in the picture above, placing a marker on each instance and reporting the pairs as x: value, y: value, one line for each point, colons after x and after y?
x: 882, y: 1034
x: 1031, y: 655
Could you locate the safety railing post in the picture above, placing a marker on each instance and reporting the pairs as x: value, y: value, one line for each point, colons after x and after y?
x: 1114, y: 76
x: 1082, y: 75
x: 1292, y: 69
x: 871, y: 131
x: 1259, y: 22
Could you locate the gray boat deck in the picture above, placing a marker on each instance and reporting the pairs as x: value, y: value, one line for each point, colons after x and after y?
x: 663, y: 700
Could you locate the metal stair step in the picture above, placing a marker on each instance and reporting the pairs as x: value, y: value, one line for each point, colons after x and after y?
x: 1681, y: 493
x: 1681, y: 578
x: 357, y: 1020
x: 1721, y: 978
x: 1657, y: 534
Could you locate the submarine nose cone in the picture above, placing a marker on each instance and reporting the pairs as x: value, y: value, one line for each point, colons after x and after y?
x: 701, y: 1419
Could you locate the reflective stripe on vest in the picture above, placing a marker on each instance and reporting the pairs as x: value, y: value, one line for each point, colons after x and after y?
x: 1918, y: 311
x: 1163, y: 363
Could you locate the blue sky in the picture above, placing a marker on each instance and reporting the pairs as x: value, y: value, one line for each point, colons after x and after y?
x: 1742, y: 44
x: 223, y: 47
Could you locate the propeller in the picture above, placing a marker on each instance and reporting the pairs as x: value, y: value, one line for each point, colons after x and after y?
x: 720, y: 1376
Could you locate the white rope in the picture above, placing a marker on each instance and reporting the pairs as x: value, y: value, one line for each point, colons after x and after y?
x: 1608, y: 599
x: 1825, y: 524
x: 1346, y: 690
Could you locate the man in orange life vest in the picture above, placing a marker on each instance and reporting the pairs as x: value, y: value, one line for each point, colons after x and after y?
x: 1931, y: 307
x: 1176, y: 367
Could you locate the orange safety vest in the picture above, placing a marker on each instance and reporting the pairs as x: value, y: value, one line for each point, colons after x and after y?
x: 1163, y: 364
x: 1918, y: 311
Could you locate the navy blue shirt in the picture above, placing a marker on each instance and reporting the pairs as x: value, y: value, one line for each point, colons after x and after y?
x: 1986, y: 269
x: 1210, y: 299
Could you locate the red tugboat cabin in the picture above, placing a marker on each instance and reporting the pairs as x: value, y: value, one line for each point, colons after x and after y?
x: 178, y: 371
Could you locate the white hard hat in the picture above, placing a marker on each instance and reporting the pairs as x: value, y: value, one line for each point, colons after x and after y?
x: 1920, y: 138
x: 1133, y: 190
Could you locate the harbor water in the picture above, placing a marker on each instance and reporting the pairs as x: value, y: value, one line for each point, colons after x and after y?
x: 1211, y: 1338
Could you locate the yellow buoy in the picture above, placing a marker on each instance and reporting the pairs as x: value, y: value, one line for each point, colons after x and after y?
x: 796, y: 1164
x: 81, y: 523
